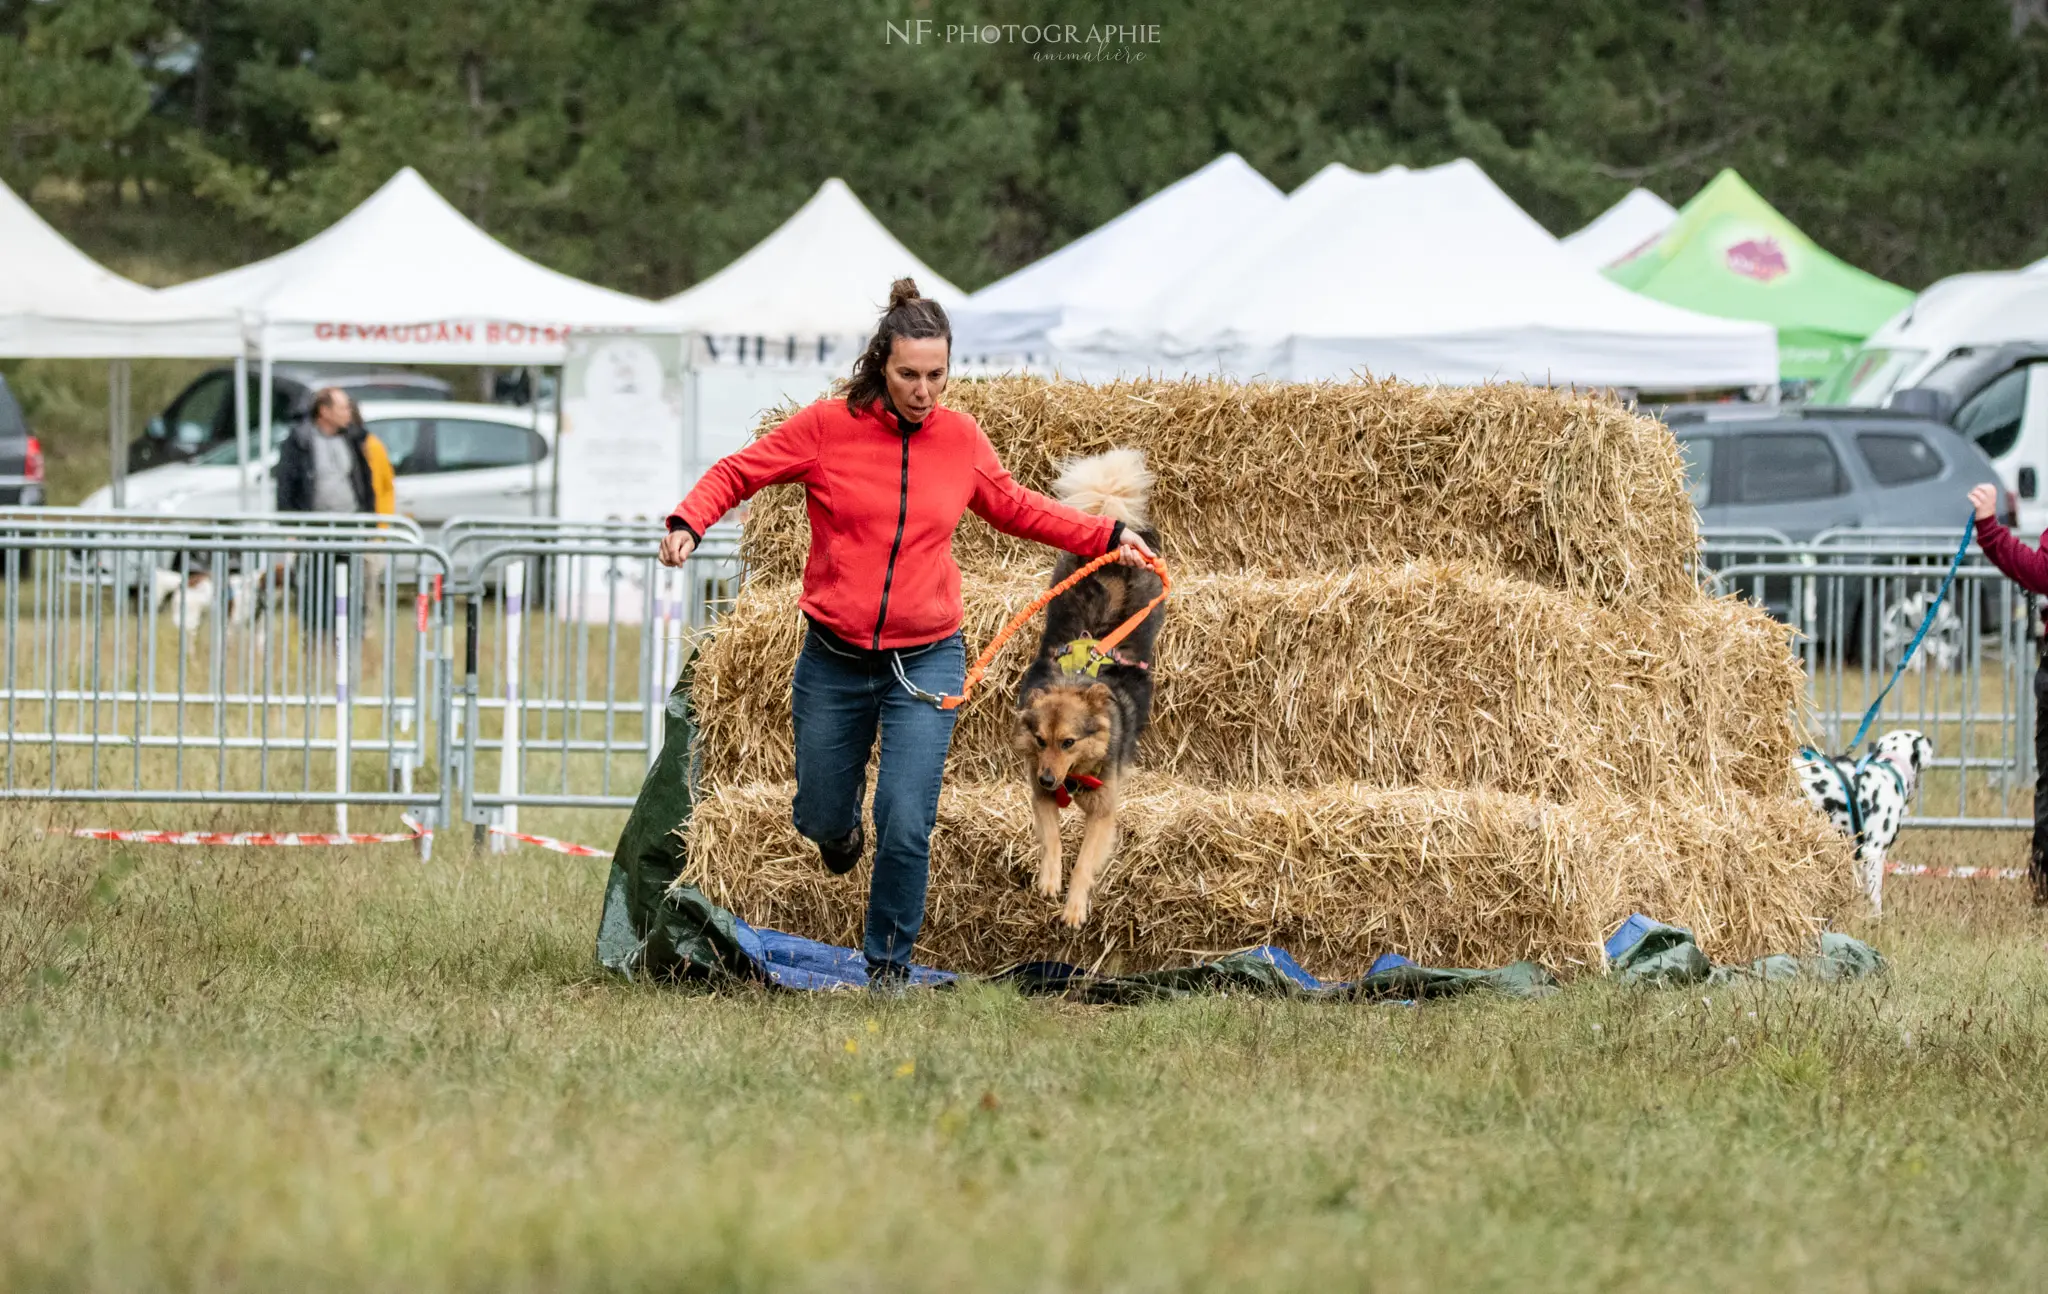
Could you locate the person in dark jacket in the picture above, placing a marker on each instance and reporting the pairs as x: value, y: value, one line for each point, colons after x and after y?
x: 888, y: 473
x: 2028, y: 568
x: 329, y: 461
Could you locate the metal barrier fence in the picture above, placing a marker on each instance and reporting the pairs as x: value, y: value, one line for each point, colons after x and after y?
x: 1854, y: 600
x: 313, y: 659
x: 224, y: 660
x: 573, y: 640
x: 515, y: 662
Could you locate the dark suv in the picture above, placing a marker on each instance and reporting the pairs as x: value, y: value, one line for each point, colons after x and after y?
x: 1800, y: 472
x: 21, y: 454
x: 203, y: 415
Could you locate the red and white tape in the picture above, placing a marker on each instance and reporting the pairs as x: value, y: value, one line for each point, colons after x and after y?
x: 1956, y: 873
x: 243, y: 837
x: 279, y: 838
x: 549, y: 842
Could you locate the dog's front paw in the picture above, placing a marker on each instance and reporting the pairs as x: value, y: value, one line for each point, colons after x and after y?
x: 1075, y: 914
x: 1048, y: 883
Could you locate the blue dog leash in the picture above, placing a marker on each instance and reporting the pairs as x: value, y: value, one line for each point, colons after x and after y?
x: 1870, y: 715
x: 1926, y: 622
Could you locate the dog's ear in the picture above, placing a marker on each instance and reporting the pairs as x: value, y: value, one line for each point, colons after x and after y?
x: 1100, y: 698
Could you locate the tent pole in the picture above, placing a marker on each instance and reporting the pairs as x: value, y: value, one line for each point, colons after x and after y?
x: 692, y: 433
x: 555, y: 455
x: 533, y: 413
x: 264, y: 396
x: 117, y: 431
x: 242, y: 429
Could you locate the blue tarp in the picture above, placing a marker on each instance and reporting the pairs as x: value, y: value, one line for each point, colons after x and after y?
x: 794, y: 962
x: 1641, y: 949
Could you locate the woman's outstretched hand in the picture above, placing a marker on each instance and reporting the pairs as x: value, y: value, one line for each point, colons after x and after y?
x: 676, y: 547
x: 1984, y: 498
x: 1132, y: 550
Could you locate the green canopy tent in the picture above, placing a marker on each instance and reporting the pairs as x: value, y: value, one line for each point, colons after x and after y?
x: 1730, y: 253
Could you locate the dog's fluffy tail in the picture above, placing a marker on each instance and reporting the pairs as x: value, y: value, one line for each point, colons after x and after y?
x: 1116, y: 485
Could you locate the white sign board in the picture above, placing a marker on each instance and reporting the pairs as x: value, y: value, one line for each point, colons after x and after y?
x: 621, y: 443
x: 620, y: 457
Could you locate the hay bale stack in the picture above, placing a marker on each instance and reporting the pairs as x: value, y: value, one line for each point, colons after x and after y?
x: 1563, y: 490
x: 1435, y: 674
x: 1436, y: 679
x: 1336, y: 873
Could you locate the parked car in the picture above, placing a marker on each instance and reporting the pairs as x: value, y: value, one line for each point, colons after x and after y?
x: 1799, y: 472
x: 450, y: 459
x: 202, y: 418
x: 1802, y: 471
x: 21, y: 454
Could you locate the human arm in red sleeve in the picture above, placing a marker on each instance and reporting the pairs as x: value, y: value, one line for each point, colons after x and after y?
x: 2027, y: 567
x: 785, y: 454
x: 1014, y: 510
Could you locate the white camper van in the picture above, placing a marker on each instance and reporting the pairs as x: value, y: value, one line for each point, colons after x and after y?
x: 1963, y: 310
x: 1972, y: 351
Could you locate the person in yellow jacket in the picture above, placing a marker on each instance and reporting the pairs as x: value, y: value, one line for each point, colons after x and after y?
x: 383, y: 481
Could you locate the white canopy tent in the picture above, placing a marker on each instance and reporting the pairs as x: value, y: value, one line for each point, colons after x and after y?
x: 784, y: 320
x: 1431, y: 275
x: 1625, y: 228
x: 1134, y: 257
x: 406, y: 278
x: 824, y: 274
x: 58, y: 303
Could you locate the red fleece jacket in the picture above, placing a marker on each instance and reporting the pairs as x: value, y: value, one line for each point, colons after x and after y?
x: 2027, y: 567
x: 883, y: 505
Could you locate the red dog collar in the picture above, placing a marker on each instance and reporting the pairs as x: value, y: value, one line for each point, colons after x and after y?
x: 1063, y: 794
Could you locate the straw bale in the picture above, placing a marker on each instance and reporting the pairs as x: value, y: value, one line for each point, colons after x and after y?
x: 1435, y: 674
x: 1337, y: 874
x: 1567, y: 490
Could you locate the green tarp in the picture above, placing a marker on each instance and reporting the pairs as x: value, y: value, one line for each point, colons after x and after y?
x: 644, y: 928
x: 1730, y: 253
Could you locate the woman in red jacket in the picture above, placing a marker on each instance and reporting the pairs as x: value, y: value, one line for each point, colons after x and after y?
x: 2029, y: 569
x: 887, y: 473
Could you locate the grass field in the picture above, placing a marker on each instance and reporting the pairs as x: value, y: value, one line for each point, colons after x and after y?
x: 313, y: 1069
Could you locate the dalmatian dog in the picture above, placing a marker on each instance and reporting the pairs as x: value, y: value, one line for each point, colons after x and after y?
x: 1883, y: 783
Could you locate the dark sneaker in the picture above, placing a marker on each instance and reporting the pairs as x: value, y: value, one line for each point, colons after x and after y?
x: 888, y: 979
x: 842, y: 857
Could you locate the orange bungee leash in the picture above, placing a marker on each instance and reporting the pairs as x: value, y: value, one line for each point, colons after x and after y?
x: 1098, y: 653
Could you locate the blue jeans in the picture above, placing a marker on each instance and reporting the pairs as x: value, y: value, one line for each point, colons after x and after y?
x: 841, y: 698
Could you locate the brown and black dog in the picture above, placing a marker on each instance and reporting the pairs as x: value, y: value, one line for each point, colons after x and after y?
x: 1079, y: 715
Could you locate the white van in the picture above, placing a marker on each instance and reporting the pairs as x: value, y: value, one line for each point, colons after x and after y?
x: 2006, y: 415
x: 1972, y: 351
x: 1960, y: 312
